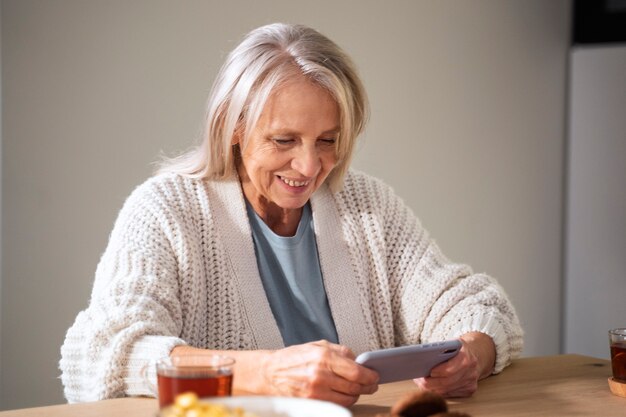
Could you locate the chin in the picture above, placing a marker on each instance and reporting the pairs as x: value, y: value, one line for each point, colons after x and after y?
x: 293, y: 204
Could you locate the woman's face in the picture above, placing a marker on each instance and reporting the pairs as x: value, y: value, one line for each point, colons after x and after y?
x: 291, y: 150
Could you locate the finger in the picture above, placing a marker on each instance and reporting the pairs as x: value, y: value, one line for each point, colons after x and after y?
x: 443, y: 377
x: 464, y: 391
x: 370, y: 389
x: 440, y: 385
x: 341, y: 399
x: 341, y: 350
x: 424, y: 384
x: 346, y: 387
x: 460, y: 385
x: 340, y: 361
x: 328, y: 386
x: 352, y: 371
x: 449, y: 367
x: 456, y: 374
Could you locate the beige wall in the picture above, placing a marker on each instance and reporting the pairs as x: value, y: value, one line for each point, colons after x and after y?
x: 468, y: 104
x: 0, y: 207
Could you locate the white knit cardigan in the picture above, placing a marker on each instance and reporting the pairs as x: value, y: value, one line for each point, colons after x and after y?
x: 180, y: 268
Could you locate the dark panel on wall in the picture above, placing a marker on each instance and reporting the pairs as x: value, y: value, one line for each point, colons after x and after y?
x: 599, y: 21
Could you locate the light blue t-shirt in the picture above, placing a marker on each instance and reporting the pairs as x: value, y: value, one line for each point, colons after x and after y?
x: 292, y: 278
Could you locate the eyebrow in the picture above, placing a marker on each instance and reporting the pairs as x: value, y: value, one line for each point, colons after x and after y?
x: 334, y: 130
x: 289, y: 132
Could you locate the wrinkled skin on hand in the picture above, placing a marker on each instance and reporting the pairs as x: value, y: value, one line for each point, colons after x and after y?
x: 459, y: 376
x: 320, y: 370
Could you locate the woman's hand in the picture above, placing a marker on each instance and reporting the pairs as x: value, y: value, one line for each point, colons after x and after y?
x: 459, y: 376
x: 321, y: 370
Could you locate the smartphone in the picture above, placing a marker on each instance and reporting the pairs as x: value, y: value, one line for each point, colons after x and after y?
x: 408, y: 362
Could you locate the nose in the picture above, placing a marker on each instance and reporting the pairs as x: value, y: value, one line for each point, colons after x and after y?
x: 307, y: 162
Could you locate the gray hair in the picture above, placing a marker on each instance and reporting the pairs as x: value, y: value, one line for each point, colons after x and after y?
x: 267, y: 58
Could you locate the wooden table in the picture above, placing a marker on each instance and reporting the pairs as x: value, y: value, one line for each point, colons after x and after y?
x: 563, y: 385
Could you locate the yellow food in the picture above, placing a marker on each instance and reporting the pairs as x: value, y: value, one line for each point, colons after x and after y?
x: 187, y: 405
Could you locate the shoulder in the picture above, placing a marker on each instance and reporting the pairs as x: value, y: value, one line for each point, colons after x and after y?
x: 364, y: 194
x: 166, y: 185
x: 164, y: 204
x: 356, y: 180
x: 164, y: 190
x: 361, y: 186
x: 165, y: 198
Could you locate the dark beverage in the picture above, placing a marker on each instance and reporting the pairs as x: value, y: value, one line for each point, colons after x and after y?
x: 618, y: 361
x: 203, y: 383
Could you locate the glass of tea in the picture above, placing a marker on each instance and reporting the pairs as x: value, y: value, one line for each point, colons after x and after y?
x: 617, y: 339
x: 205, y: 375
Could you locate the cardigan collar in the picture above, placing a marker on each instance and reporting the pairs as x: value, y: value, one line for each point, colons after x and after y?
x: 340, y: 281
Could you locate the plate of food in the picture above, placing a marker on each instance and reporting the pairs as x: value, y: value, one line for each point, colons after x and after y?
x: 188, y: 405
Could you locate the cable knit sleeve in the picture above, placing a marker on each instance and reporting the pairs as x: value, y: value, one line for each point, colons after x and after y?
x: 436, y: 299
x: 134, y: 316
x: 430, y: 298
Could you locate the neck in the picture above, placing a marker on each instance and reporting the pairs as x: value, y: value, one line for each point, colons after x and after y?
x: 282, y: 222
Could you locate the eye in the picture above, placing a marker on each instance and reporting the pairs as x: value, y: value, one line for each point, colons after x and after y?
x: 283, y: 141
x: 328, y: 141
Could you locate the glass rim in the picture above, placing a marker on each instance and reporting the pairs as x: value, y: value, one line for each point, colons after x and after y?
x: 619, y: 331
x: 195, y: 361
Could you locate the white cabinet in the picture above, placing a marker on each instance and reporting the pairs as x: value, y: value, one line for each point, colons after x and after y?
x: 595, y: 239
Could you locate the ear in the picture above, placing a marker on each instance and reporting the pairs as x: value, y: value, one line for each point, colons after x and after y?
x: 237, y: 138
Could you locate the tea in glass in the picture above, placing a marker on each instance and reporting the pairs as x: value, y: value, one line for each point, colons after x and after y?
x: 206, y: 376
x: 617, y: 338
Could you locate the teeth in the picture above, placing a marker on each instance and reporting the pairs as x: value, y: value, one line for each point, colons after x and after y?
x: 294, y: 183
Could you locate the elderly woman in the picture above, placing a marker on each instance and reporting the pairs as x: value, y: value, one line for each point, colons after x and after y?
x: 263, y: 245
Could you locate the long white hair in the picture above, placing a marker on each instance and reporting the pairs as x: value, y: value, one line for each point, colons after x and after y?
x: 267, y: 58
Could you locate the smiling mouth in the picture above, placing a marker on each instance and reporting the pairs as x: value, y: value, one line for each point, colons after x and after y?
x: 293, y: 183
